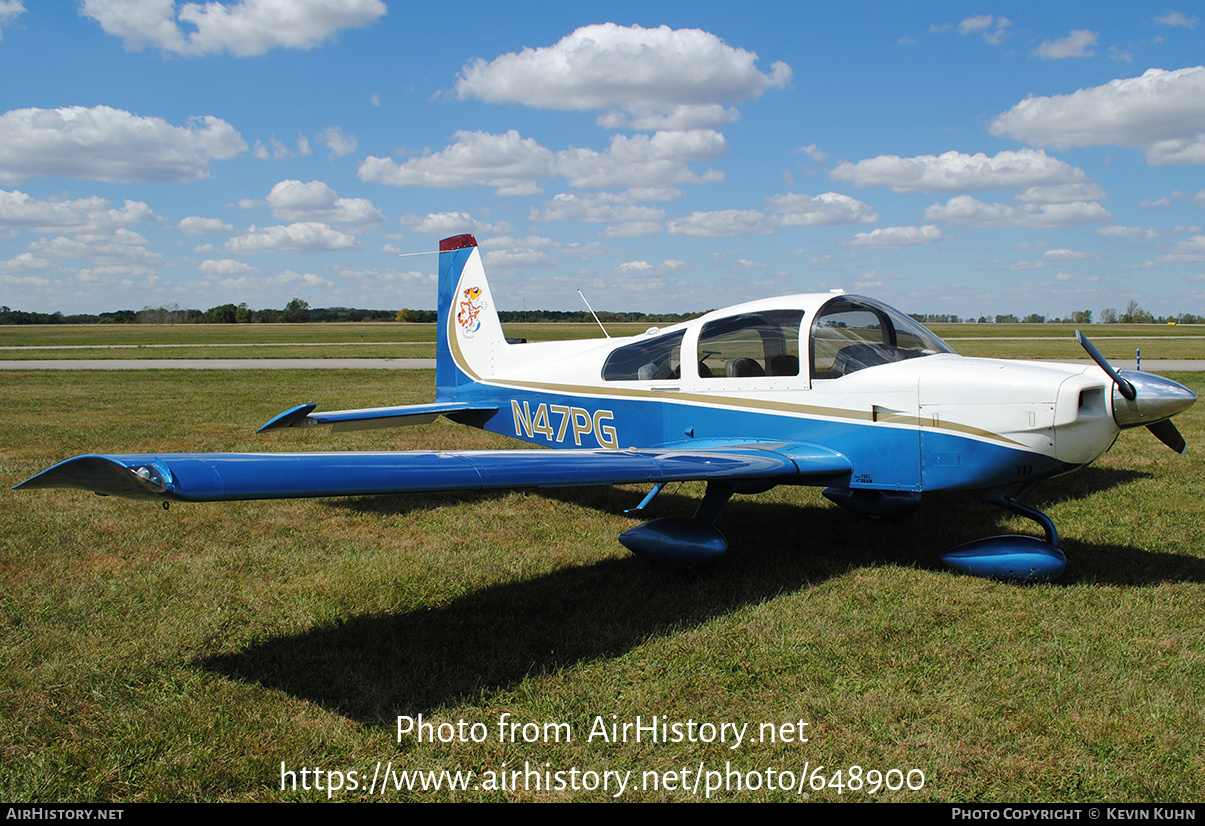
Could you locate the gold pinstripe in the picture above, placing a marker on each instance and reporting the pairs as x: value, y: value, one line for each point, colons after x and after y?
x: 730, y: 402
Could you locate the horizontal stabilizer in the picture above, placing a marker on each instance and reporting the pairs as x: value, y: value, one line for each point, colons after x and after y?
x: 207, y: 477
x: 372, y: 418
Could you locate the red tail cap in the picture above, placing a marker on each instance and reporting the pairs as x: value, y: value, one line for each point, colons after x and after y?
x: 457, y: 242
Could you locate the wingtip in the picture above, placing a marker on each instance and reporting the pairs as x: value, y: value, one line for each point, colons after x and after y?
x: 289, y: 418
x: 106, y: 475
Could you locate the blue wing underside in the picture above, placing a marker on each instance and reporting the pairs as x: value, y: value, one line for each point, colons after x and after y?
x: 210, y: 477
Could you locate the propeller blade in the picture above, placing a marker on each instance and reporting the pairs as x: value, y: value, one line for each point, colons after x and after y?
x: 1124, y: 386
x: 1167, y: 433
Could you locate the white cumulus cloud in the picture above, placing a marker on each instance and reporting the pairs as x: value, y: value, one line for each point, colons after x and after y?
x: 120, y: 248
x: 86, y: 215
x: 826, y: 209
x: 633, y: 229
x: 444, y: 224
x: 1160, y: 111
x: 303, y: 236
x: 658, y: 160
x: 723, y: 223
x: 315, y: 201
x: 1061, y: 193
x: 196, y: 225
x: 1122, y: 232
x: 337, y: 141
x: 1186, y: 251
x: 1071, y: 255
x: 105, y: 144
x: 992, y: 29
x: 308, y: 279
x: 957, y: 171
x: 519, y: 258
x: 512, y: 164
x: 248, y: 27
x: 659, y: 78
x: 1177, y: 19
x: 595, y: 208
x: 964, y: 210
x: 791, y: 210
x: 889, y: 238
x: 1079, y: 43
x: 515, y: 165
x: 224, y: 267
x: 24, y: 261
x: 9, y: 9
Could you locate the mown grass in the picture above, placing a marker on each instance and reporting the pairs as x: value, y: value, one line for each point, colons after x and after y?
x: 191, y: 341
x: 391, y: 340
x: 185, y: 654
x: 293, y: 350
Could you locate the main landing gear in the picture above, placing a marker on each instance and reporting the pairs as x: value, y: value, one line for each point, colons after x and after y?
x: 679, y: 542
x: 1012, y: 557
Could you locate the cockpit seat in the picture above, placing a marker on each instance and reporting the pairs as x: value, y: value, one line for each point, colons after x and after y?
x: 743, y: 368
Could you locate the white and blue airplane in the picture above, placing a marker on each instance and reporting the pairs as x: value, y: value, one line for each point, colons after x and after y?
x: 824, y: 389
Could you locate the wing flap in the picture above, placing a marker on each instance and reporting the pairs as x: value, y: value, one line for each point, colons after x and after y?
x: 209, y: 477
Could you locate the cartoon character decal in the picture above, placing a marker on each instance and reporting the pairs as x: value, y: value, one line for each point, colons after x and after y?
x: 469, y: 314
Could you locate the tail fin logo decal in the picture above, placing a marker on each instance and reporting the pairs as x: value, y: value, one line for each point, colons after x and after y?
x: 469, y: 314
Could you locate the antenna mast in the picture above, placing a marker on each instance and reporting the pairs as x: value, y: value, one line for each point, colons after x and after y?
x: 591, y: 309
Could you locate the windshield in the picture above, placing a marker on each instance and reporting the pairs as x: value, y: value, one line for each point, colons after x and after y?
x: 853, y: 333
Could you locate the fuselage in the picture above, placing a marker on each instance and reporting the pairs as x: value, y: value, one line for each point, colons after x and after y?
x: 841, y: 371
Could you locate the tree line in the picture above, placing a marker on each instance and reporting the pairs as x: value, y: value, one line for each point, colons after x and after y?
x: 1133, y: 314
x: 295, y: 311
x: 298, y: 310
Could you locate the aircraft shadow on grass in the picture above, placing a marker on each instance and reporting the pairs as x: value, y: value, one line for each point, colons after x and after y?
x: 373, y: 667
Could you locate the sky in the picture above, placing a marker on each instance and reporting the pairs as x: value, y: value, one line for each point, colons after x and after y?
x: 945, y: 157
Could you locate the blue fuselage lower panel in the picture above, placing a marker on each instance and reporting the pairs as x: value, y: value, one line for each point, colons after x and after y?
x: 884, y: 456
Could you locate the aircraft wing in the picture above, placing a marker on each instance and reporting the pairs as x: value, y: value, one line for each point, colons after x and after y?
x: 210, y: 477
x: 371, y: 418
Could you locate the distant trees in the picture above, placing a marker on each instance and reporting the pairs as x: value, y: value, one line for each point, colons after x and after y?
x: 162, y: 315
x: 1134, y: 314
x: 936, y: 318
x: 11, y: 316
x: 351, y: 314
x: 409, y: 316
x: 222, y: 314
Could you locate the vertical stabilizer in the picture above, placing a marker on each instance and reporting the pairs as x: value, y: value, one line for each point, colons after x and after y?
x: 469, y: 334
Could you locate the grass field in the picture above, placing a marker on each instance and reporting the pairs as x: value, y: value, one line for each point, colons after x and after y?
x: 390, y: 340
x: 187, y: 654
